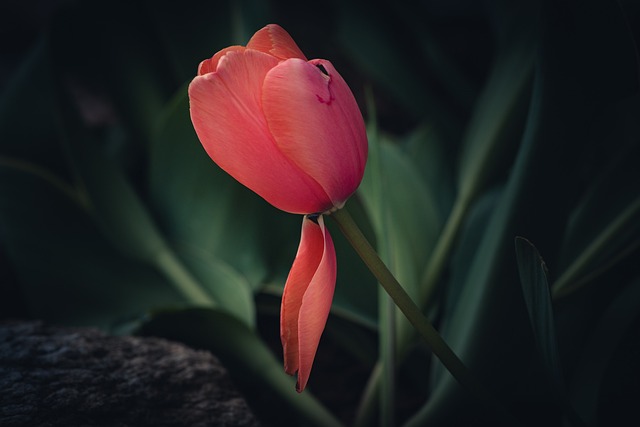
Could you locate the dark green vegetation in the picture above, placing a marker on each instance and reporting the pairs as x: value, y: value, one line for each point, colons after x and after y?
x: 486, y: 122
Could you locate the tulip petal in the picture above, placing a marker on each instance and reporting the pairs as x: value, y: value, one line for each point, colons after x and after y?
x: 227, y: 116
x: 306, y: 300
x: 274, y: 40
x: 316, y: 122
x: 210, y: 65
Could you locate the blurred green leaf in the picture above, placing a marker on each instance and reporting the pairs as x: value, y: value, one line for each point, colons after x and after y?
x: 439, y: 51
x: 205, y: 212
x: 537, y: 297
x: 113, y: 48
x: 609, y: 335
x: 27, y: 126
x: 432, y: 157
x: 129, y: 224
x: 496, y: 120
x: 252, y: 366
x: 404, y: 214
x: 484, y: 305
x: 230, y: 288
x: 69, y: 272
x: 113, y: 201
x: 359, y: 342
x: 604, y: 224
x: 487, y: 147
x: 412, y: 219
x: 617, y: 398
x: 617, y: 240
x: 386, y: 59
x: 489, y: 320
x: 471, y: 234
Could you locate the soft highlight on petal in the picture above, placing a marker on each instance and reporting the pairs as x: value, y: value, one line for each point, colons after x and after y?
x: 210, y: 65
x: 306, y: 300
x: 316, y: 123
x: 274, y: 40
x: 226, y: 113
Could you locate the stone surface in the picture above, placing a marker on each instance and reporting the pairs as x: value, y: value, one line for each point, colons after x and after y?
x: 81, y: 377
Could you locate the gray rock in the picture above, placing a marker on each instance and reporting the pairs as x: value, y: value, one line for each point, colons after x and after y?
x: 53, y: 376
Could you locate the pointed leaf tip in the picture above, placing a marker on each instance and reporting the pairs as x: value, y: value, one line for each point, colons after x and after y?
x: 535, y: 288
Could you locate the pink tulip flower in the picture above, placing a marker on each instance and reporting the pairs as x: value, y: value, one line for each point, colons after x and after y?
x: 289, y: 129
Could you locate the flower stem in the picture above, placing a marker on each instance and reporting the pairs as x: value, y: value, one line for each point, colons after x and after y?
x: 415, y: 316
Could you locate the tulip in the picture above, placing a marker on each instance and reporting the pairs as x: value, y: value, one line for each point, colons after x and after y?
x: 289, y: 129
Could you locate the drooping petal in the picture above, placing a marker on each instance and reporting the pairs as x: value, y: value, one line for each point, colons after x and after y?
x: 304, y: 267
x: 306, y: 300
x: 274, y: 40
x: 227, y: 116
x: 316, y: 122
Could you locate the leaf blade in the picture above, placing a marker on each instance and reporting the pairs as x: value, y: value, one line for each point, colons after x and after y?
x: 537, y: 296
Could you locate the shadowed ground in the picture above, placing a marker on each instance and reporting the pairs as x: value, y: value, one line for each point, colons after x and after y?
x: 70, y: 377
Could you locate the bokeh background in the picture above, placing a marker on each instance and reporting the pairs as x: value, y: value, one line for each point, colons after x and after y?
x: 487, y: 120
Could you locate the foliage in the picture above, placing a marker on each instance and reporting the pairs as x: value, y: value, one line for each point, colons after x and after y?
x: 489, y: 123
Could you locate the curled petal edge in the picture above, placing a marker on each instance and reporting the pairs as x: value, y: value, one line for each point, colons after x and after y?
x: 274, y: 40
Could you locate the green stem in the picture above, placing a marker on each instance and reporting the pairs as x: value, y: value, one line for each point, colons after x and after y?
x: 404, y: 302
